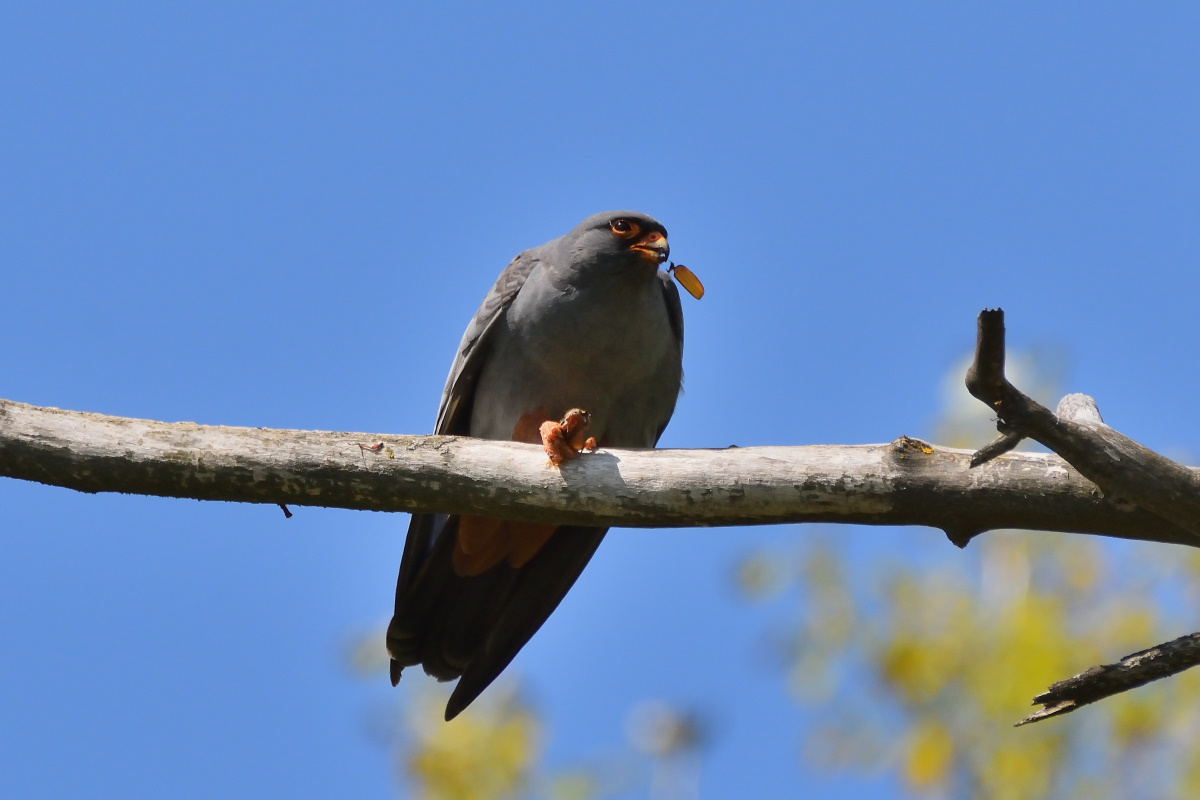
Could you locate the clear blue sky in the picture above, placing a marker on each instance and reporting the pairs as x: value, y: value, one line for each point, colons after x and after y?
x: 285, y: 214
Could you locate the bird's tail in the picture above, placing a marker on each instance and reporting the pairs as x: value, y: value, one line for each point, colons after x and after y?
x: 471, y: 627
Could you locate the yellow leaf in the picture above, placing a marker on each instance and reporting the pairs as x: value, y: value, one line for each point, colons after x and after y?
x: 929, y: 757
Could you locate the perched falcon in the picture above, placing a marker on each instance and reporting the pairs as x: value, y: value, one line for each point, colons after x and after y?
x: 585, y: 329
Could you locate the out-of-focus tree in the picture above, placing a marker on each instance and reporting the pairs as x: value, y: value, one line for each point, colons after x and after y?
x: 491, y: 755
x: 493, y: 750
x: 490, y: 752
x: 674, y: 741
x: 920, y: 660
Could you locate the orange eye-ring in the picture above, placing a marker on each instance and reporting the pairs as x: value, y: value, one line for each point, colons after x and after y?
x: 625, y: 228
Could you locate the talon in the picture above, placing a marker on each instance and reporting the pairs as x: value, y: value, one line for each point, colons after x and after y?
x: 554, y: 442
x: 563, y: 440
x: 575, y: 425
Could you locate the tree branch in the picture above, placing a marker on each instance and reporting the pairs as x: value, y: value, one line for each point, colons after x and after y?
x: 1106, y: 680
x: 1117, y: 464
x: 1125, y: 470
x: 906, y: 482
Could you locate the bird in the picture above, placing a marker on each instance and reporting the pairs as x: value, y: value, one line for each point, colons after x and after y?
x: 579, y: 343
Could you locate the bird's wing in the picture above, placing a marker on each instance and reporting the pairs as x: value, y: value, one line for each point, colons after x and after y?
x: 454, y: 414
x: 675, y: 316
x: 674, y: 306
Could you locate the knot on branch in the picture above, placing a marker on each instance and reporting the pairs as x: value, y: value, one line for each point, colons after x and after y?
x: 906, y: 447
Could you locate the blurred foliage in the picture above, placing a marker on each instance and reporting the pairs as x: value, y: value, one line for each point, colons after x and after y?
x: 493, y: 750
x: 919, y: 660
x: 919, y: 670
x: 489, y: 755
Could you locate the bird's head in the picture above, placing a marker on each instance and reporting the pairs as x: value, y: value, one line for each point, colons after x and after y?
x: 619, y: 238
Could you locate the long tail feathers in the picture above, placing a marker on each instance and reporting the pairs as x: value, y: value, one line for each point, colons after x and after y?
x: 542, y: 584
x: 474, y: 626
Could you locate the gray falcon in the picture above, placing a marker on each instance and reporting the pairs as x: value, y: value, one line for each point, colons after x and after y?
x: 583, y: 328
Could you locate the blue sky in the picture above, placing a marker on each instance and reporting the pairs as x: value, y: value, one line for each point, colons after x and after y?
x: 285, y: 214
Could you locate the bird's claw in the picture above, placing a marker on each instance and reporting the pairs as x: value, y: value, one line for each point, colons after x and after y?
x: 565, y: 439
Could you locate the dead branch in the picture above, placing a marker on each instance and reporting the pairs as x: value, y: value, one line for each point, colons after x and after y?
x: 1117, y: 464
x: 1105, y: 680
x: 1129, y: 473
x: 906, y: 482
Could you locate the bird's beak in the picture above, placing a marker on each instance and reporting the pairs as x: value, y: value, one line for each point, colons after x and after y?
x: 653, y: 247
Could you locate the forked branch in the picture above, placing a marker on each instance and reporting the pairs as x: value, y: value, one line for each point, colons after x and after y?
x: 1117, y: 464
x: 1126, y: 471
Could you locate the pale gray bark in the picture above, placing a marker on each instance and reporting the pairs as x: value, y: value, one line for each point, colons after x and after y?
x: 906, y: 482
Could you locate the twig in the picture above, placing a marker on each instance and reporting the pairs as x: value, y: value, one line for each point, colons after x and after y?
x: 1002, y: 444
x: 1106, y: 680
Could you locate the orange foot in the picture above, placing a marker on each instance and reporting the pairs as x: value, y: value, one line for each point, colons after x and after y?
x: 563, y: 440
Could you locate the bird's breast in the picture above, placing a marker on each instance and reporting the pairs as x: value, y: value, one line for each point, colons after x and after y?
x: 612, y: 353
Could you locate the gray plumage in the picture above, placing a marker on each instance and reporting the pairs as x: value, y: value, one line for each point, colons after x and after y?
x: 587, y: 321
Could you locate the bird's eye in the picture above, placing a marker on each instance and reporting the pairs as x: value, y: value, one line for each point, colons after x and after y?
x: 624, y: 228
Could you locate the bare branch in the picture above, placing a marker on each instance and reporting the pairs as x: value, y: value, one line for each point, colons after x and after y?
x: 1107, y: 680
x: 1126, y: 471
x: 907, y: 482
x: 1121, y: 467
